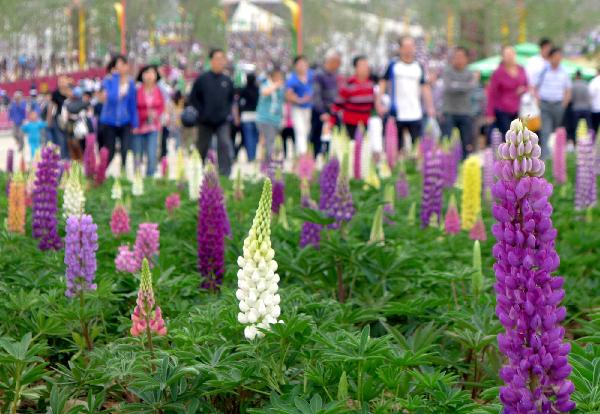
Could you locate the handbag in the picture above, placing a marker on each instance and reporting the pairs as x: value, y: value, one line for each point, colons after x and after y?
x: 190, y: 117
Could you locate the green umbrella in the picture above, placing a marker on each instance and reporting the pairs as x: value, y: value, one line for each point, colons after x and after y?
x: 527, y: 49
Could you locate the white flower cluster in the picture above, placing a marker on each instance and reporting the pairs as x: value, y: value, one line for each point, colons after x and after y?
x: 366, y: 154
x: 74, y: 197
x: 130, y: 166
x: 257, y: 277
x: 137, y: 188
x: 194, y: 175
x: 116, y: 192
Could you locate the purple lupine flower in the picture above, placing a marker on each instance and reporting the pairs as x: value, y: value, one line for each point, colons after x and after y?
x: 89, y: 156
x: 358, y: 142
x: 457, y: 150
x: 496, y: 138
x: 449, y: 167
x: 585, y: 178
x: 278, y: 194
x: 328, y: 183
x: 102, y: 166
x: 342, y: 205
x: 391, y: 141
x: 528, y: 295
x: 559, y: 160
x: 402, y: 188
x: 81, y: 244
x: 10, y: 160
x: 45, y: 203
x: 213, y: 227
x: 427, y: 145
x: 310, y: 235
x: 432, y: 187
x: 488, y: 172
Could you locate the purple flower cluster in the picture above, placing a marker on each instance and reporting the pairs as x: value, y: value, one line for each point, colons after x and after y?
x: 449, y: 167
x: 431, y: 202
x: 342, y: 205
x: 278, y: 194
x: 585, y: 179
x: 89, y: 156
x: 559, y: 159
x: 45, y: 203
x: 528, y: 295
x: 213, y: 227
x: 328, y: 183
x: 310, y: 235
x: 81, y: 244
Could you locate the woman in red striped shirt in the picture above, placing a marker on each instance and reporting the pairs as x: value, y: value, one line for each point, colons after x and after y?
x: 357, y: 97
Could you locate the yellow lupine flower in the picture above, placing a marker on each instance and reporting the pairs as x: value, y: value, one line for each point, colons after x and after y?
x: 471, y: 196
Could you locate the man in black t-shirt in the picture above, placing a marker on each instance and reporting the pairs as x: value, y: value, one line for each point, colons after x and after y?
x: 212, y: 96
x: 55, y: 133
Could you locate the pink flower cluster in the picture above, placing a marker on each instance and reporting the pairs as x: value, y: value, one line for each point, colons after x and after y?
x: 119, y: 221
x: 172, y: 202
x: 146, y: 247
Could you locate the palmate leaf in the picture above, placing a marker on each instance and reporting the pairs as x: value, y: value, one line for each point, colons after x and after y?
x: 310, y: 215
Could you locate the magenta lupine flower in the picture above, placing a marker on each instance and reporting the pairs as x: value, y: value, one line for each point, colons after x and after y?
x: 528, y: 295
x: 213, y: 227
x: 126, y: 260
x: 45, y: 204
x: 81, y: 244
x: 306, y: 166
x: 164, y: 167
x: 585, y: 178
x: 452, y: 219
x: 310, y: 235
x: 427, y: 145
x: 328, y: 183
x: 496, y: 139
x: 146, y: 243
x: 10, y: 159
x: 342, y: 205
x: 478, y: 231
x: 101, y: 167
x: 431, y: 202
x: 488, y: 172
x: 559, y: 160
x: 391, y: 141
x: 89, y: 156
x: 172, y: 202
x: 358, y: 142
x: 119, y: 221
x: 278, y: 194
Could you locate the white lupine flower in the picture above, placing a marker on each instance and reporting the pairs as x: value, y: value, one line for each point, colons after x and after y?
x: 116, y: 192
x: 257, y: 277
x: 366, y: 155
x: 180, y: 165
x: 130, y: 166
x: 194, y: 175
x: 137, y: 188
x: 74, y: 197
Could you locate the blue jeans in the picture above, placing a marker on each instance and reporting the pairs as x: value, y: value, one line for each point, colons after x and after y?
x: 250, y: 139
x: 146, y: 143
x: 57, y: 137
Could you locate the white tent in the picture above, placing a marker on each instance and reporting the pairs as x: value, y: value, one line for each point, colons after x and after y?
x: 249, y: 17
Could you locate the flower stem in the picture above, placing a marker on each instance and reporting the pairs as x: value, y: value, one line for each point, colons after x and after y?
x: 150, y: 345
x: 84, y: 324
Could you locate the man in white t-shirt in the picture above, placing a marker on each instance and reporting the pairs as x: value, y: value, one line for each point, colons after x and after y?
x: 405, y: 82
x: 537, y: 63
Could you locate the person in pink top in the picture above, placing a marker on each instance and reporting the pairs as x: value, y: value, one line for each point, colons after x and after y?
x: 504, y: 92
x: 150, y: 106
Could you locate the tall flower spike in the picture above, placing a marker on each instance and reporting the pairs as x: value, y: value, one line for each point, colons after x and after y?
x: 328, y: 183
x: 102, y: 166
x: 137, y: 187
x: 126, y: 260
x: 471, y: 195
x: 402, y: 188
x: 358, y: 143
x: 478, y: 232
x: 194, y: 175
x: 130, y: 166
x: 213, y: 227
x: 310, y: 235
x: 16, y: 205
x: 89, y: 156
x: 257, y: 277
x: 74, y: 197
x: 431, y: 203
x: 238, y: 186
x: 452, y: 219
x: 342, y: 205
x: 164, y: 167
x: 147, y: 316
x: 172, y: 202
x: 147, y: 243
x: 116, y: 192
x: 81, y: 244
x: 496, y: 138
x: 119, y: 221
x: 527, y: 294
x: 389, y: 206
x: 391, y: 141
x: 559, y: 160
x: 377, y: 233
x: 45, y: 203
x: 366, y: 156
x: 372, y: 179
x: 585, y: 178
x: 278, y: 192
x: 306, y: 166
x: 10, y: 159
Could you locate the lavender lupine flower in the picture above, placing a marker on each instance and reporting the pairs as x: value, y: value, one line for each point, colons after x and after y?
x: 431, y: 202
x: 488, y: 173
x: 81, y: 244
x: 10, y: 159
x: 358, y: 143
x: 528, y: 295
x: 45, y: 203
x: 449, y: 166
x: 213, y: 227
x: 559, y: 159
x: 342, y: 205
x: 496, y: 138
x: 585, y: 179
x: 328, y: 183
x: 391, y: 141
x: 310, y: 235
x: 402, y: 188
x: 89, y: 156
x: 457, y: 150
x: 278, y: 192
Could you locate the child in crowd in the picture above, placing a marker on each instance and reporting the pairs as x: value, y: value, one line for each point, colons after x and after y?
x: 33, y: 129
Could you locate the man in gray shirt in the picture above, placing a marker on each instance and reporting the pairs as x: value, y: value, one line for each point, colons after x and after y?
x: 459, y: 84
x: 580, y: 99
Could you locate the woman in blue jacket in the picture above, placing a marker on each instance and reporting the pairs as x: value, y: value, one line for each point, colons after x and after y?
x: 119, y: 112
